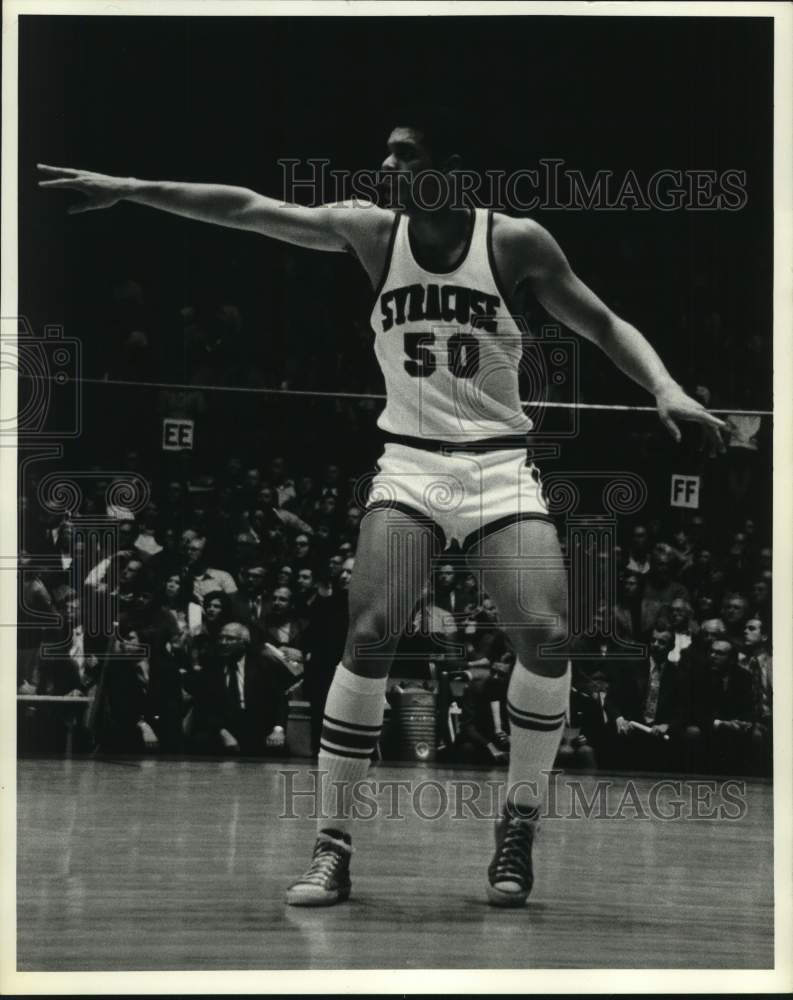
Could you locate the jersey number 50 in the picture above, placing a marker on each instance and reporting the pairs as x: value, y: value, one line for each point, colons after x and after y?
x: 462, y: 355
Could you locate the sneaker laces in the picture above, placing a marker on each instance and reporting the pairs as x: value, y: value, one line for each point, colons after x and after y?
x: 329, y: 854
x: 514, y: 857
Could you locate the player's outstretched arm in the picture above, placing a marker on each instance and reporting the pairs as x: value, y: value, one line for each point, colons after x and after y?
x: 567, y: 298
x: 238, y: 208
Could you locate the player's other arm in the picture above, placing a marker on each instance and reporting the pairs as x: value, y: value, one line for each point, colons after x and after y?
x: 567, y: 298
x: 319, y: 228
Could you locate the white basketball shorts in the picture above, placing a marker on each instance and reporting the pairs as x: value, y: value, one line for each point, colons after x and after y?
x: 462, y: 495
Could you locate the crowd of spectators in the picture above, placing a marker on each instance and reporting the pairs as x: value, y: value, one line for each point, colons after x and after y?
x: 228, y: 595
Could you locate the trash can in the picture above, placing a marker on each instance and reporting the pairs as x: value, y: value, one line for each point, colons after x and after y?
x: 413, y: 723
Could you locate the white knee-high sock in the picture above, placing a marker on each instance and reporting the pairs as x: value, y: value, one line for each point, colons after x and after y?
x: 350, y: 730
x: 537, y: 707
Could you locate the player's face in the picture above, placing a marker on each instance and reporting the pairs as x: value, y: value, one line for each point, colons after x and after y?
x: 407, y: 158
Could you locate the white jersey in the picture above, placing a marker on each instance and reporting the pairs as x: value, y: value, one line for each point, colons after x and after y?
x: 447, y: 344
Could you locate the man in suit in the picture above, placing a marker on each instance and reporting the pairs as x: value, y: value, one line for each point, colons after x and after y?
x: 721, y: 704
x: 250, y: 604
x: 240, y: 702
x: 324, y: 641
x: 647, y: 706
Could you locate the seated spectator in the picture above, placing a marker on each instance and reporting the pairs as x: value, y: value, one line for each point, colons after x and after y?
x: 756, y: 660
x: 63, y: 569
x: 446, y: 593
x: 304, y: 502
x: 760, y: 602
x: 325, y: 541
x: 216, y: 612
x: 282, y: 575
x: 67, y: 667
x: 647, y: 706
x: 250, y: 604
x: 177, y: 601
x: 722, y: 708
x: 469, y: 592
x: 684, y: 628
x: 765, y: 560
x: 351, y: 528
x: 305, y: 592
x: 628, y: 610
x: 737, y: 566
x: 639, y: 551
x: 286, y: 520
x: 282, y: 628
x: 35, y: 608
x: 205, y: 579
x: 323, y: 641
x: 485, y: 642
x: 695, y: 576
x: 302, y: 555
x: 330, y: 483
x: 140, y: 698
x: 683, y: 549
x: 734, y: 614
x: 588, y: 698
x: 335, y: 563
x: 660, y: 587
x: 170, y: 558
x: 705, y: 606
x: 483, y: 735
x: 239, y: 705
x: 246, y: 553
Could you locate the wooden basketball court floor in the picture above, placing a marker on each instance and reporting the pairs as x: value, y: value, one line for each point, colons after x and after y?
x: 182, y: 865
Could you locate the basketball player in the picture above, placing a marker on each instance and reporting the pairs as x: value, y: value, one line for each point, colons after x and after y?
x: 455, y: 459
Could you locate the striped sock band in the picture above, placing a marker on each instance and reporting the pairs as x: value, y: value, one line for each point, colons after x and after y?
x: 350, y: 731
x: 537, y: 707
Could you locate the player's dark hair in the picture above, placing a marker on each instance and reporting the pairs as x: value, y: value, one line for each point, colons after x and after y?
x: 442, y: 128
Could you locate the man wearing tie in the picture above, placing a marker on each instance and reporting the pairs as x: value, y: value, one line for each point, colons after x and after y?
x: 250, y: 604
x: 241, y: 703
x: 647, y: 707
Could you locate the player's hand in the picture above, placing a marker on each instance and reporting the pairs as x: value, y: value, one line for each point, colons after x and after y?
x: 99, y: 190
x: 660, y: 730
x: 623, y: 726
x: 674, y: 404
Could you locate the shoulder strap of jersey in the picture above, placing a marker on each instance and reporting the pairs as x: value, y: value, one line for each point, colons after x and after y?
x: 389, y: 254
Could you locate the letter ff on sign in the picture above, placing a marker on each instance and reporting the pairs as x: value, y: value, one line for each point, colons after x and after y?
x: 177, y: 435
x: 685, y: 491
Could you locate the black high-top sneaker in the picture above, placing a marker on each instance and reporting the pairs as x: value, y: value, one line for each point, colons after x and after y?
x: 327, y: 880
x: 510, y: 875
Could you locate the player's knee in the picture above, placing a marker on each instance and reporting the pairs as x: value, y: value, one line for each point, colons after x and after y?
x: 368, y: 637
x: 539, y: 637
